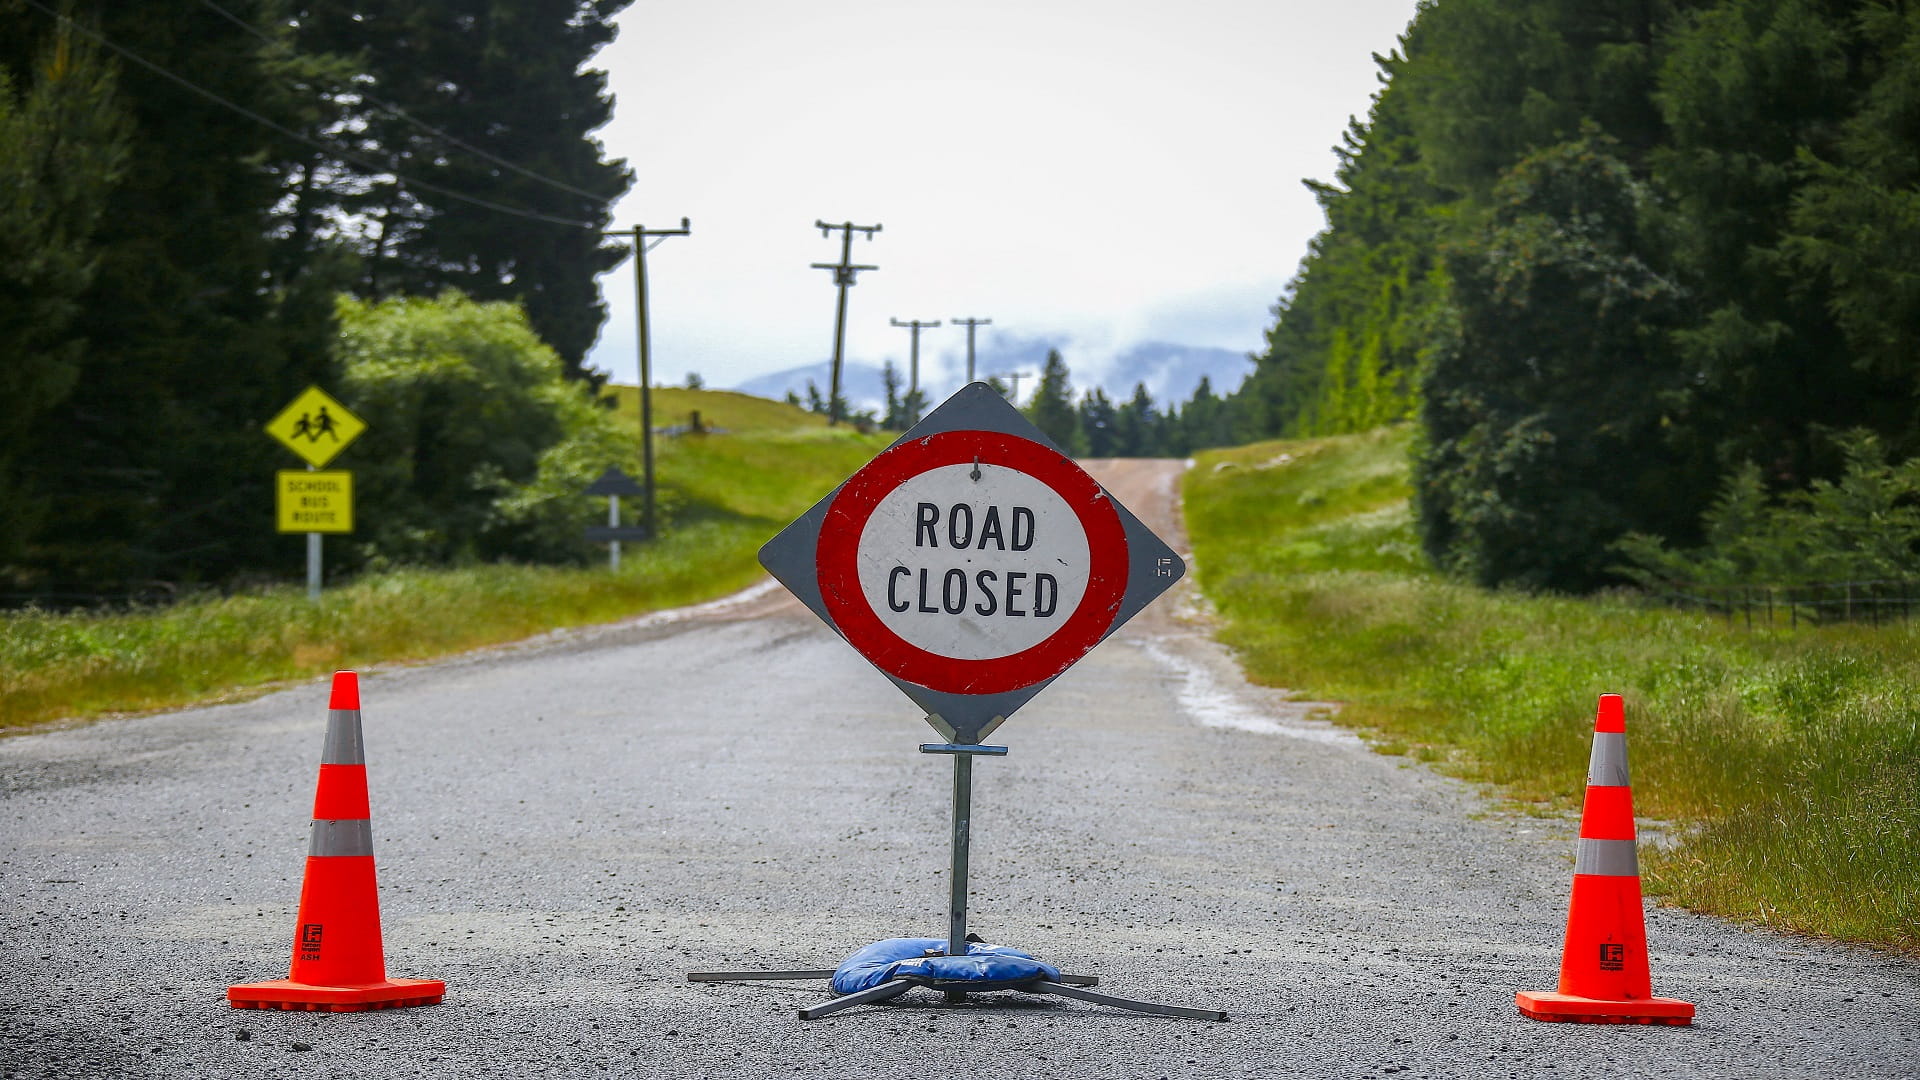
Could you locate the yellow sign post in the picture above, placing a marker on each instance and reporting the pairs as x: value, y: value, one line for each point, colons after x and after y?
x: 316, y: 427
x: 314, y: 502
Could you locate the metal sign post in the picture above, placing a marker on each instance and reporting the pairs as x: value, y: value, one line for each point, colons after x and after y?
x: 613, y: 483
x: 973, y: 563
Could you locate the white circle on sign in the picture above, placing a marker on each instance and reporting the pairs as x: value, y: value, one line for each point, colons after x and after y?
x: 973, y: 569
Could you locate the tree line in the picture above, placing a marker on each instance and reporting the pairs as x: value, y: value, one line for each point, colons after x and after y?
x: 1084, y: 425
x: 1624, y: 263
x: 186, y: 187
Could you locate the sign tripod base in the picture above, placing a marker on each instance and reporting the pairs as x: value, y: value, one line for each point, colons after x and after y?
x: 956, y: 990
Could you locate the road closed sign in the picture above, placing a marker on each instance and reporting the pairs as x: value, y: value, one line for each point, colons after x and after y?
x: 972, y: 562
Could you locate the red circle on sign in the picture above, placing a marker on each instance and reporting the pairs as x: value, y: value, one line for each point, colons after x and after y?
x: 837, y: 556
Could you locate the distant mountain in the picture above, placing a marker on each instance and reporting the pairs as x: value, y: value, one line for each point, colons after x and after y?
x: 861, y: 383
x: 1169, y: 371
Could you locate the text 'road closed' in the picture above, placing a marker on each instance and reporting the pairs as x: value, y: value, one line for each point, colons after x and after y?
x: 973, y: 562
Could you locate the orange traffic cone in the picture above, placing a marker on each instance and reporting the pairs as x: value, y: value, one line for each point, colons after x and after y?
x: 338, y: 963
x: 1603, y: 967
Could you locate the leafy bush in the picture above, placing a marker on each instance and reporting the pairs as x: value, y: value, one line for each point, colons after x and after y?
x: 477, y: 448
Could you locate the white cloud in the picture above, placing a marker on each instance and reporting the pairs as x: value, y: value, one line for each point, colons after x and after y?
x: 1117, y: 171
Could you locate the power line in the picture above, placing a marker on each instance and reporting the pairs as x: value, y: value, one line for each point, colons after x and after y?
x: 336, y: 151
x: 422, y: 124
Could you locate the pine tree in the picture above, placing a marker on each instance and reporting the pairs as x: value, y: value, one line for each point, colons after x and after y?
x: 154, y: 466
x: 1205, y: 422
x: 63, y: 146
x: 1097, y: 423
x: 1365, y: 312
x: 1051, y: 409
x: 447, y: 91
x: 913, y: 406
x: 1137, y: 427
x: 895, y: 417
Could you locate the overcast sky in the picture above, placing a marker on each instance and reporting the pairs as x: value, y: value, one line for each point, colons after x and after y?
x: 1114, y: 170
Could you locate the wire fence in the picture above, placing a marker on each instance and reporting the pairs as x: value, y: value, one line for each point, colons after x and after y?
x: 1876, y: 603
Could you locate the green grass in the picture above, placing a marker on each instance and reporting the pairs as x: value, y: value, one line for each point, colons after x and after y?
x: 722, y: 497
x: 1789, y: 761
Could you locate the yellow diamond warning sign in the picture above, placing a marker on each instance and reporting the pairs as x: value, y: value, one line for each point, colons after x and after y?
x: 314, y: 502
x: 316, y: 427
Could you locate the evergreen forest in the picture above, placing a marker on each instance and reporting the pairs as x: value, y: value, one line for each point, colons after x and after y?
x: 187, y: 190
x: 1644, y: 275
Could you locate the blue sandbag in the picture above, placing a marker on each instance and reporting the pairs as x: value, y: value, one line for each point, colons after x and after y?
x: 895, y: 958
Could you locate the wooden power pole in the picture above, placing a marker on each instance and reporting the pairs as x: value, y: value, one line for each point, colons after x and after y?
x: 913, y: 377
x: 640, y: 235
x: 970, y: 324
x: 843, y: 273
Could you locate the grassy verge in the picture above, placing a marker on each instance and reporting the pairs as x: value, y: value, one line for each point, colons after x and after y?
x: 723, y: 496
x: 1788, y: 760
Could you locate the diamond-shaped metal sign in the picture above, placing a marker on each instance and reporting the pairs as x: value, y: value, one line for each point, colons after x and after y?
x: 972, y: 562
x: 315, y: 426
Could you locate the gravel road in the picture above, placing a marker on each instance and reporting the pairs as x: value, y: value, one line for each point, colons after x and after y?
x: 564, y: 828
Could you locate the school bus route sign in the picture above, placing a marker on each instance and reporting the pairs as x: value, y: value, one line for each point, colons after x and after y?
x: 314, y: 502
x: 316, y: 427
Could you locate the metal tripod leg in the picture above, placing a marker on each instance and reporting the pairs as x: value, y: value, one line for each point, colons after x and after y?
x: 1046, y: 987
x: 883, y: 992
x: 827, y: 973
x: 756, y: 976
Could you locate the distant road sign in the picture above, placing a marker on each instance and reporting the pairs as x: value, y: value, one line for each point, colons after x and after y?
x: 972, y: 562
x: 314, y: 502
x: 616, y: 483
x: 315, y: 426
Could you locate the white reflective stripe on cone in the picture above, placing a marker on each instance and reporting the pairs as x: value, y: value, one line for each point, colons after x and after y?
x: 1606, y: 858
x: 1608, y: 765
x: 343, y: 745
x: 349, y: 837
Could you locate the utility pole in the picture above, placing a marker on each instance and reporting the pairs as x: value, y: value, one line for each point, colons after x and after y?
x: 970, y: 324
x: 913, y: 379
x: 639, y: 234
x: 1016, y: 376
x: 843, y: 272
